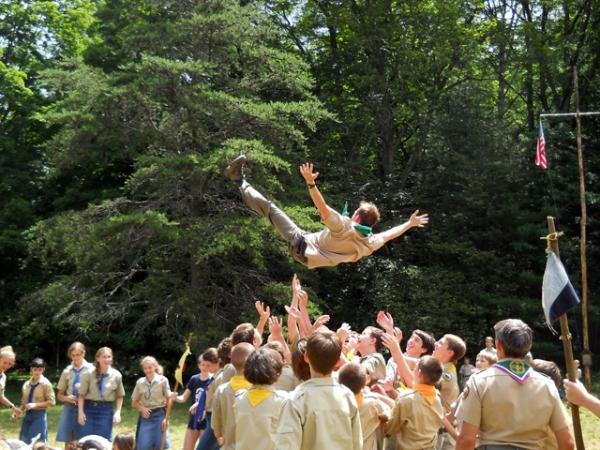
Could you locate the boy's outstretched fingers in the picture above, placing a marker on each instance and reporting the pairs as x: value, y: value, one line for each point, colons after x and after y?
x: 417, y: 220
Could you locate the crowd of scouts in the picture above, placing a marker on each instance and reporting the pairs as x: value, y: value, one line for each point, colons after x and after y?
x: 319, y: 389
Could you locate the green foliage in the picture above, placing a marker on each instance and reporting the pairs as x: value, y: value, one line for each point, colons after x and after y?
x: 118, y: 118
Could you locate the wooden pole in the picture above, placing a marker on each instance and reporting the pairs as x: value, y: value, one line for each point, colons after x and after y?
x: 584, y: 281
x: 565, y: 337
x: 165, y: 426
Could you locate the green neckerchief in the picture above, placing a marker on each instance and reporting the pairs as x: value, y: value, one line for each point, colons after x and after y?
x: 518, y: 369
x: 362, y: 229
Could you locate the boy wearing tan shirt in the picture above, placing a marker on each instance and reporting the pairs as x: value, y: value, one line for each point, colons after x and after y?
x: 257, y: 409
x: 223, y: 419
x: 418, y: 413
x: 320, y: 414
x: 38, y: 396
x: 375, y: 410
x: 343, y: 240
x: 510, y: 404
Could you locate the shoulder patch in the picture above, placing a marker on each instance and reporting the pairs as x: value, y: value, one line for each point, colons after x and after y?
x: 447, y: 376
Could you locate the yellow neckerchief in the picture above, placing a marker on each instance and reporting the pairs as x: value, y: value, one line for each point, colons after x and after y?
x: 257, y: 395
x: 350, y: 354
x: 359, y: 399
x: 427, y: 391
x: 238, y: 383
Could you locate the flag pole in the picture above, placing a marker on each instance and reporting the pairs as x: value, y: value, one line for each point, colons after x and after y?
x: 165, y: 425
x: 565, y: 337
x: 583, y: 241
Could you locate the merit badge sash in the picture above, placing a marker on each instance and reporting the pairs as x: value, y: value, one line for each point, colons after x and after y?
x: 518, y: 369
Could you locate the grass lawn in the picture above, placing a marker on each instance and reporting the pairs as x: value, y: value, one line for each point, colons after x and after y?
x: 590, y: 424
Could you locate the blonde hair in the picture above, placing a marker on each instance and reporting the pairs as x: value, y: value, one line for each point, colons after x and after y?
x: 152, y: 360
x: 75, y: 346
x: 7, y: 352
x: 99, y: 352
x: 490, y: 357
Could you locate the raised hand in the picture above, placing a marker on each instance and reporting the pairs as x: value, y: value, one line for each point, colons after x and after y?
x: 309, y: 176
x: 263, y: 312
x: 418, y: 221
x: 343, y: 332
x: 322, y: 320
x: 385, y: 321
x: 276, y: 326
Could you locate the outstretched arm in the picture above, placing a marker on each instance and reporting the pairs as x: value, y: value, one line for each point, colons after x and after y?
x: 306, y: 170
x: 414, y: 221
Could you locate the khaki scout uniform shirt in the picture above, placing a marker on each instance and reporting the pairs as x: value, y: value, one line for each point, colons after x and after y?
x: 222, y: 419
x: 2, y: 384
x: 448, y: 386
x: 374, y: 364
x: 287, y: 381
x: 372, y: 411
x: 43, y: 392
x: 152, y: 394
x: 222, y: 376
x: 259, y: 421
x: 65, y: 382
x: 112, y: 386
x: 510, y: 413
x: 319, y: 414
x: 415, y: 423
x: 339, y: 243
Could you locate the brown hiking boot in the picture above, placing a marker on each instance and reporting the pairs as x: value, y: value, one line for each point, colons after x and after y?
x: 235, y: 170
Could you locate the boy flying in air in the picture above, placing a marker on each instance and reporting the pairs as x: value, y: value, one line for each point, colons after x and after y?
x: 344, y: 239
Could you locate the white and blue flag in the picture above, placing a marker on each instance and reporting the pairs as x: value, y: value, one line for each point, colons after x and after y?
x: 558, y: 295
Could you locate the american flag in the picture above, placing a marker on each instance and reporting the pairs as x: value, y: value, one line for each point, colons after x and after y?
x: 540, y: 153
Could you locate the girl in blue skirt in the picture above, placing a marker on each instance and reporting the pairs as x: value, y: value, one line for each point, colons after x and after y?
x: 99, y: 389
x: 150, y: 399
x: 38, y: 395
x: 68, y: 393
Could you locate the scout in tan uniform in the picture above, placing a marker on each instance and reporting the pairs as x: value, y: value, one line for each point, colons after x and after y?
x: 257, y: 409
x: 99, y: 388
x: 320, y: 414
x: 418, y: 413
x: 343, y: 240
x: 7, y: 361
x: 510, y: 405
x: 369, y: 346
x: 68, y: 392
x: 223, y: 420
x: 38, y: 395
x: 374, y: 412
x: 150, y: 397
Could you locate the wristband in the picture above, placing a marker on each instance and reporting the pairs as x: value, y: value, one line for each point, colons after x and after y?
x: 310, y: 186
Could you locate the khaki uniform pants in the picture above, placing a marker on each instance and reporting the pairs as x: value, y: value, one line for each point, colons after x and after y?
x: 293, y: 235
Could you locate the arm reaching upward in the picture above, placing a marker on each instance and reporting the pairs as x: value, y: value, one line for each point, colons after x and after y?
x: 414, y: 221
x: 306, y: 170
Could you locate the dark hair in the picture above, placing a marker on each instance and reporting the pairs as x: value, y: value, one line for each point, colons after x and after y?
x: 376, y: 334
x: 515, y: 336
x: 91, y: 444
x: 239, y: 355
x: 431, y: 368
x: 37, y: 363
x: 548, y: 368
x: 224, y: 351
x: 428, y: 341
x: 263, y: 366
x: 210, y: 355
x: 244, y: 332
x: 124, y: 441
x: 323, y: 350
x: 299, y: 365
x: 353, y: 376
x: 457, y: 345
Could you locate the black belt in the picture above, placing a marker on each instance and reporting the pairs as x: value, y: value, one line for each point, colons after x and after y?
x: 97, y: 403
x: 155, y: 410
